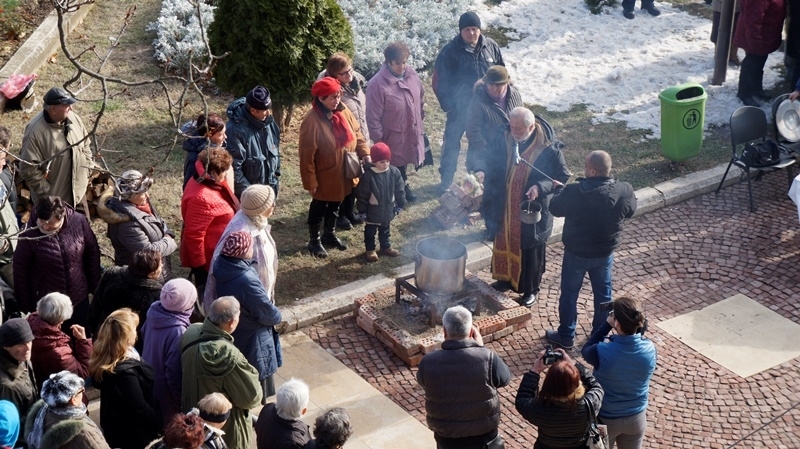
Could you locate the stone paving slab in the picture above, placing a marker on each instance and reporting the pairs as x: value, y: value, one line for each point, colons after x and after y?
x: 679, y: 259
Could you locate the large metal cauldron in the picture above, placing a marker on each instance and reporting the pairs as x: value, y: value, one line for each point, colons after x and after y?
x: 440, y: 265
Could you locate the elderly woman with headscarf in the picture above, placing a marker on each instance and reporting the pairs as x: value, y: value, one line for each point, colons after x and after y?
x: 134, y: 223
x: 61, y: 254
x: 328, y: 131
x: 167, y: 320
x: 255, y: 335
x: 60, y: 419
x: 395, y: 110
x: 258, y: 204
x: 207, y: 206
x: 53, y: 350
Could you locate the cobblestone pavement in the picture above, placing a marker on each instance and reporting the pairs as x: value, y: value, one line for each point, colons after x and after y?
x: 678, y: 259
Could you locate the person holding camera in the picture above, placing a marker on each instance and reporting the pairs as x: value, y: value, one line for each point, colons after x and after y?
x: 623, y: 366
x: 560, y: 409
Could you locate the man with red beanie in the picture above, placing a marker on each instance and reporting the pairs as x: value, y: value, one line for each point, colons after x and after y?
x: 381, y: 196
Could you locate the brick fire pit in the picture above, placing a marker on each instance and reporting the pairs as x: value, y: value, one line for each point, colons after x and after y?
x: 409, y: 338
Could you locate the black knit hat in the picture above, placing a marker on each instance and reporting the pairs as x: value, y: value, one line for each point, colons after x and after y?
x: 258, y: 98
x: 14, y: 332
x: 469, y: 19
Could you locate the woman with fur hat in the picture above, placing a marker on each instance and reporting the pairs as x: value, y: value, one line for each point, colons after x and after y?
x: 60, y: 419
x: 255, y: 335
x: 328, y: 131
x: 167, y: 320
x: 560, y: 409
x: 129, y: 413
x: 134, y: 223
x: 258, y: 204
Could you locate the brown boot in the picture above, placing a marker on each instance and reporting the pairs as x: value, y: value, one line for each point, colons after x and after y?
x: 391, y: 252
x: 371, y: 256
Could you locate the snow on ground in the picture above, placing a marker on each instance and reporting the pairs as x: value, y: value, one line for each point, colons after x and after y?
x: 617, y: 67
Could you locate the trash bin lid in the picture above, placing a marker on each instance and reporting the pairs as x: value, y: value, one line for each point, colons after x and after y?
x: 682, y: 92
x: 788, y: 120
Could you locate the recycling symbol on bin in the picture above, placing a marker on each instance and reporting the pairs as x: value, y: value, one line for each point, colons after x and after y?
x: 691, y: 119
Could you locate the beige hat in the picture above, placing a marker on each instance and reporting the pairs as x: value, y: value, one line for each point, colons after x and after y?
x: 256, y: 199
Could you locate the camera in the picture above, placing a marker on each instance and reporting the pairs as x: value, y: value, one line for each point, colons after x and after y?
x: 606, y: 306
x: 551, y: 356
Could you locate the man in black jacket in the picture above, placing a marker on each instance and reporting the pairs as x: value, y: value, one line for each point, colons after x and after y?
x: 460, y: 63
x: 593, y: 210
x: 461, y: 382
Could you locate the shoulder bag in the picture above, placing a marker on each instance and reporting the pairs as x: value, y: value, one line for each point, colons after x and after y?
x: 353, y: 169
x: 595, y: 437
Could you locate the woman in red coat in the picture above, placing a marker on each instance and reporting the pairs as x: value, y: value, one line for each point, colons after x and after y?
x: 758, y: 33
x: 208, y: 204
x: 328, y: 131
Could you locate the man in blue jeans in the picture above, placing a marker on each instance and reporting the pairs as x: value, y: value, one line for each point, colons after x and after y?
x: 593, y: 210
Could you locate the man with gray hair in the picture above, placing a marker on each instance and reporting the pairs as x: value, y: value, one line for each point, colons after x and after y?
x: 534, y: 169
x: 279, y: 425
x: 55, y: 140
x: 211, y: 363
x: 461, y: 382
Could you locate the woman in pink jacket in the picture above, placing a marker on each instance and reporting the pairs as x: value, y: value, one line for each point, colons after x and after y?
x: 394, y: 110
x: 207, y: 205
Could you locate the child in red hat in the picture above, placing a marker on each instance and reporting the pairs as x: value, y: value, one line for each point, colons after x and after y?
x: 381, y: 197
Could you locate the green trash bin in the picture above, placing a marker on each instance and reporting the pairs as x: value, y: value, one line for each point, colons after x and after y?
x: 683, y: 110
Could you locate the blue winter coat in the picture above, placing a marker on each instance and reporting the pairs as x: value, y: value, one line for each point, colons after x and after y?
x: 254, y: 146
x: 255, y: 336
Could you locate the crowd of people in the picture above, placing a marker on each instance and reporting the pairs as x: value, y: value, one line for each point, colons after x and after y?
x: 187, y: 359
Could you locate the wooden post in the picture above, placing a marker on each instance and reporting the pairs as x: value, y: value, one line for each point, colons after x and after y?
x: 723, y: 44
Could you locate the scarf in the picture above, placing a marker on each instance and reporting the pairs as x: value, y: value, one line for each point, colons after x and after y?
x: 70, y: 412
x: 341, y: 129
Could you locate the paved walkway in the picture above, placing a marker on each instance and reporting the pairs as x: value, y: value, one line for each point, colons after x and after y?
x: 678, y: 259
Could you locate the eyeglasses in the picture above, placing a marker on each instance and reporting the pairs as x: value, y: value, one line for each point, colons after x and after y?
x: 346, y: 72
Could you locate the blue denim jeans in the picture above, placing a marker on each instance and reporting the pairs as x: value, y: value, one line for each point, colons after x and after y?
x: 573, y: 270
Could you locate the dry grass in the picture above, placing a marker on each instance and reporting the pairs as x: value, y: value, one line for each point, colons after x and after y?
x: 138, y: 130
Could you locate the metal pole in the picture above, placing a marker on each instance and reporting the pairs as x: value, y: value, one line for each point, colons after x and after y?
x: 724, y: 35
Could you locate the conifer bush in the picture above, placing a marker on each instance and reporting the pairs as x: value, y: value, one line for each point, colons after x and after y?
x: 279, y: 44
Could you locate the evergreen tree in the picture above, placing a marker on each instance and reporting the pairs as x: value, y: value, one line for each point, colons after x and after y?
x: 279, y: 44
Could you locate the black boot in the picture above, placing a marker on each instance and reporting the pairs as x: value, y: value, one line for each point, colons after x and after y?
x: 329, y: 236
x: 410, y: 197
x: 314, y: 244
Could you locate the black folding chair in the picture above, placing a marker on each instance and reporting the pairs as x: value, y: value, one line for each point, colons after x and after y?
x: 749, y: 124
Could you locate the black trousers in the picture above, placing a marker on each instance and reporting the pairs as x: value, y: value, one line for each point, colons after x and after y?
x: 346, y: 206
x: 319, y: 211
x: 384, y: 236
x: 751, y: 76
x: 532, y: 269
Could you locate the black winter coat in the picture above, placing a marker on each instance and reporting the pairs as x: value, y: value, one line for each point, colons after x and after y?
x: 385, y: 190
x: 274, y: 432
x: 593, y: 211
x: 66, y: 262
x: 486, y: 122
x: 118, y: 288
x: 129, y: 414
x: 456, y: 70
x: 559, y: 425
x: 255, y: 147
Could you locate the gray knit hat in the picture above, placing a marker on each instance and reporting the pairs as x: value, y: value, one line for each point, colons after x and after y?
x: 60, y: 388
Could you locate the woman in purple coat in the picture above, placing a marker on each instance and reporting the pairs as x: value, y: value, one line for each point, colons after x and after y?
x: 166, y: 322
x: 394, y: 110
x: 59, y: 254
x: 759, y: 33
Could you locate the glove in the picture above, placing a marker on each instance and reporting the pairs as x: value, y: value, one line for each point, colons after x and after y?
x: 363, y: 217
x: 397, y: 210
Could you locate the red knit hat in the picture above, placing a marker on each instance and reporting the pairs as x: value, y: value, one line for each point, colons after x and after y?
x: 237, y: 244
x: 380, y: 152
x: 325, y: 87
